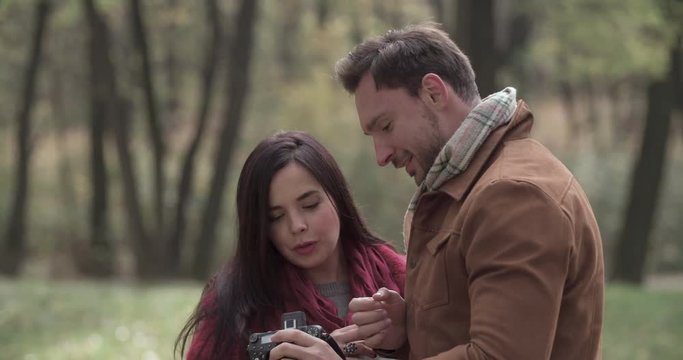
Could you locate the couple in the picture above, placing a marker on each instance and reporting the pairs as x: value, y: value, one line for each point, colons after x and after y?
x: 504, y: 256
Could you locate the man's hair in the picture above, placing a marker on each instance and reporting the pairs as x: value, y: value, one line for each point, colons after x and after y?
x: 400, y: 58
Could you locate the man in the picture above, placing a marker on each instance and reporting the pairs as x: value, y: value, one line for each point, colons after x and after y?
x: 504, y: 253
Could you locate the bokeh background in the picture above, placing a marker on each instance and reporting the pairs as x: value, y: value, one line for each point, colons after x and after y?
x: 125, y: 123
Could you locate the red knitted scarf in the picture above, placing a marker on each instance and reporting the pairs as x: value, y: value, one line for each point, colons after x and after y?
x: 370, y: 267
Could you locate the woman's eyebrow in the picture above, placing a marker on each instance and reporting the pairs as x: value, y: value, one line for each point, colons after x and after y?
x: 307, y: 194
x: 299, y: 198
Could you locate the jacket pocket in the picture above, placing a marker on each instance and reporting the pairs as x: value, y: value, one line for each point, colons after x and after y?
x: 432, y: 288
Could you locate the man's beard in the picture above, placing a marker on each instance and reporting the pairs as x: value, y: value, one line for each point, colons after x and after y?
x: 433, y: 143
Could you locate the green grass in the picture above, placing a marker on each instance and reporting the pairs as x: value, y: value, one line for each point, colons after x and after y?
x: 643, y: 324
x: 90, y: 320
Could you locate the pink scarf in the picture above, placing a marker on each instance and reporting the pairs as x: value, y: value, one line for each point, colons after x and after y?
x: 370, y: 267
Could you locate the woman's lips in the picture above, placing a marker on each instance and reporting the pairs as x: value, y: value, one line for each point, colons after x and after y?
x: 305, y: 248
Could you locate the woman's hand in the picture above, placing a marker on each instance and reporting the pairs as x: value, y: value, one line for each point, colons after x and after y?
x: 299, y: 345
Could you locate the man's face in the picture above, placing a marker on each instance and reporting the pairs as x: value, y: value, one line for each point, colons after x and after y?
x: 404, y: 129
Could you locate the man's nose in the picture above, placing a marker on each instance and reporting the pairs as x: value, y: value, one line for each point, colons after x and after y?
x: 383, y: 153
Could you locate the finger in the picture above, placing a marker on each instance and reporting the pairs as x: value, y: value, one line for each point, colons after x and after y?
x: 345, y: 334
x: 350, y: 334
x: 295, y: 336
x: 369, y: 330
x: 369, y: 317
x: 364, y: 304
x: 287, y: 351
x: 319, y: 351
x: 375, y: 340
x: 387, y: 296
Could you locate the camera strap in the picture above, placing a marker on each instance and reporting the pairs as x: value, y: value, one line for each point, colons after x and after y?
x: 333, y: 344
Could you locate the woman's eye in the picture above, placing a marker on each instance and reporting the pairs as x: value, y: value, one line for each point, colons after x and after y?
x: 274, y: 217
x: 311, y: 206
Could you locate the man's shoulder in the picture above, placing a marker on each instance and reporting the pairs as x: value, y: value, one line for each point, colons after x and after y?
x: 528, y: 161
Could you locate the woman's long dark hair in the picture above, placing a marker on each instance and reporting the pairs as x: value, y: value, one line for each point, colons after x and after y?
x: 250, y: 282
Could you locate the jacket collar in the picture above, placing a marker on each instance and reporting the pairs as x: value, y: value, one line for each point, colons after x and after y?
x: 519, y: 127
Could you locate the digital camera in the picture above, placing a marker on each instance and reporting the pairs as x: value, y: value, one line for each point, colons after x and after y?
x: 260, y: 344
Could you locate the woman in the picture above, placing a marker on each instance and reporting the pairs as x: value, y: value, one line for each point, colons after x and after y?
x: 302, y: 245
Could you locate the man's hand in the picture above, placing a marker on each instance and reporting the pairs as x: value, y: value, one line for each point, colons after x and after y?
x: 299, y: 345
x: 381, y: 319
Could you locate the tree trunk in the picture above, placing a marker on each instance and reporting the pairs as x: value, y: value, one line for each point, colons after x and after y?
x: 618, y: 99
x: 147, y: 255
x: 677, y: 74
x: 117, y: 110
x: 456, y: 25
x: 171, y: 67
x: 323, y: 8
x: 67, y: 189
x: 476, y: 38
x: 390, y: 12
x: 288, y: 36
x: 155, y: 128
x: 438, y: 10
x: 632, y: 247
x: 187, y: 173
x: 593, y: 116
x: 238, y: 86
x: 98, y: 259
x: 15, y: 239
x: 573, y: 123
x: 357, y: 30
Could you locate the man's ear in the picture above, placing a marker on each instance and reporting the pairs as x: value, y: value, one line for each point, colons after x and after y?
x: 434, y: 91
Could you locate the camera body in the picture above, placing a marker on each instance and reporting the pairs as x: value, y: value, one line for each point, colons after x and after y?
x: 260, y: 344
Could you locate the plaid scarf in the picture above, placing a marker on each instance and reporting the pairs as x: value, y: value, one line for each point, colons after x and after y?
x: 492, y: 112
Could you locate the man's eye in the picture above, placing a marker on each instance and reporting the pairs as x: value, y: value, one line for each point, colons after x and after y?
x: 387, y: 127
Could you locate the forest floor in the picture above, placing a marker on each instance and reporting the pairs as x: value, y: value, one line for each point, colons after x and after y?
x: 665, y: 282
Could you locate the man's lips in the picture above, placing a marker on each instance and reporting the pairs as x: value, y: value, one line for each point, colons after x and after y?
x: 407, y: 163
x: 403, y: 163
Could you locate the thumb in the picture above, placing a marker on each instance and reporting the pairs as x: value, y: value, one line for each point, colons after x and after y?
x: 387, y: 296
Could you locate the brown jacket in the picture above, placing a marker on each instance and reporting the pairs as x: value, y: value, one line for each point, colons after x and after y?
x: 505, y: 260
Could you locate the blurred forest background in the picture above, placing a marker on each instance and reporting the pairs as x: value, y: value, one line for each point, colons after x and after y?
x: 125, y: 124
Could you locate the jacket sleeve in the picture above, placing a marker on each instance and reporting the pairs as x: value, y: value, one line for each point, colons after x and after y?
x: 517, y: 244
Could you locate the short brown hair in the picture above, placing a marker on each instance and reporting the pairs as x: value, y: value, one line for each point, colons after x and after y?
x: 400, y: 58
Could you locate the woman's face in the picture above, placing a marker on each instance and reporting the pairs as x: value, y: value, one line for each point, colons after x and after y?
x: 304, y: 224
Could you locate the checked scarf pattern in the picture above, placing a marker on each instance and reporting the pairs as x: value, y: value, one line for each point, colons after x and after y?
x: 492, y: 112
